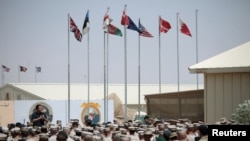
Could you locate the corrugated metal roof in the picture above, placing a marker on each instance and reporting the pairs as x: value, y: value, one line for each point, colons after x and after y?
x: 59, y: 91
x: 233, y: 60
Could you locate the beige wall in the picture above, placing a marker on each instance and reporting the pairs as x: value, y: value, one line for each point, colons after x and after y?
x: 6, y: 112
x: 16, y: 94
x: 223, y: 93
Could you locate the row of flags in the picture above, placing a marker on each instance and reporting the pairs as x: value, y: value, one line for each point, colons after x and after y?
x: 164, y: 26
x: 21, y: 69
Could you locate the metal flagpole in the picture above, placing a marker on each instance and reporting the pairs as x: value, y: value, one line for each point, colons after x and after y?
x: 139, y: 76
x: 88, y: 72
x: 2, y: 74
x: 197, y: 75
x: 35, y: 73
x: 107, y: 74
x: 178, y: 72
x: 105, y: 109
x: 18, y: 69
x: 68, y: 70
x: 159, y: 58
x: 125, y: 67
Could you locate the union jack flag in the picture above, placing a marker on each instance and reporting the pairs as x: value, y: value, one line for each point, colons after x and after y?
x: 74, y: 28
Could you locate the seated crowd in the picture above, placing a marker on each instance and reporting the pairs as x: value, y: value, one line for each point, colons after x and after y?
x: 148, y: 130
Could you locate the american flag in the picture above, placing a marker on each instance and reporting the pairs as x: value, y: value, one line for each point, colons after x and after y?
x: 23, y: 69
x: 5, y: 69
x: 144, y: 31
x: 74, y: 28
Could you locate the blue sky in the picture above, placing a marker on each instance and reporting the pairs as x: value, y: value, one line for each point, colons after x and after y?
x: 35, y: 33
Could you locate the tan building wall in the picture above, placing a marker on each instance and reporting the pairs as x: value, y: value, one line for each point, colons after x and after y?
x: 12, y: 93
x: 223, y: 92
x: 6, y: 112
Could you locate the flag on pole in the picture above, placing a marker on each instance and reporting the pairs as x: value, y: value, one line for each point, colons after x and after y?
x: 126, y: 20
x: 5, y: 69
x: 38, y: 69
x: 74, y: 28
x: 23, y: 69
x: 108, y: 27
x: 85, y: 27
x: 164, y: 25
x: 114, y: 30
x: 184, y: 28
x: 144, y: 31
x: 106, y: 20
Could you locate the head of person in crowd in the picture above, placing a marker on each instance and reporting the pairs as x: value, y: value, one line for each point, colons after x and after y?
x: 24, y: 132
x: 148, y: 120
x: 125, y: 138
x: 43, y: 137
x: 88, y: 122
x: 11, y: 125
x: 61, y: 136
x: 106, y: 132
x: 182, y: 135
x: 166, y: 134
x: 202, y: 130
x: 147, y: 135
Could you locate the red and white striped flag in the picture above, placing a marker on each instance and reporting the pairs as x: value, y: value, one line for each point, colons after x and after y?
x: 144, y: 31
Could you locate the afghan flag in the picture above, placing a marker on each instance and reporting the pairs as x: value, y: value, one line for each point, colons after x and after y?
x: 114, y: 30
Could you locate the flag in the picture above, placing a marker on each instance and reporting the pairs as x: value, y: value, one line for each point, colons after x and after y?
x: 144, y: 31
x: 85, y: 27
x: 132, y: 26
x: 106, y: 19
x: 38, y: 69
x: 184, y: 28
x: 164, y: 26
x: 74, y: 28
x: 114, y: 30
x: 23, y: 69
x: 5, y: 69
x: 127, y: 21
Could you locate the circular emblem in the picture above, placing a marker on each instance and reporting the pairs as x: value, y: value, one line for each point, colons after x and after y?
x: 46, y: 109
x: 90, y: 111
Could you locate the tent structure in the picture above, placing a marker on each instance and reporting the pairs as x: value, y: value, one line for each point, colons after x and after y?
x: 119, y: 112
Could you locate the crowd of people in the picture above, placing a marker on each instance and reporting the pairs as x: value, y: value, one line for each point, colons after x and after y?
x: 151, y: 129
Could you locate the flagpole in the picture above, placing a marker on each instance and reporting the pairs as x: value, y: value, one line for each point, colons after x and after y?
x: 68, y: 70
x: 125, y: 67
x: 88, y: 72
x: 35, y: 73
x: 2, y: 74
x: 197, y: 75
x: 178, y: 72
x: 159, y: 58
x: 18, y: 70
x: 105, y: 109
x: 139, y: 76
x: 107, y: 74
